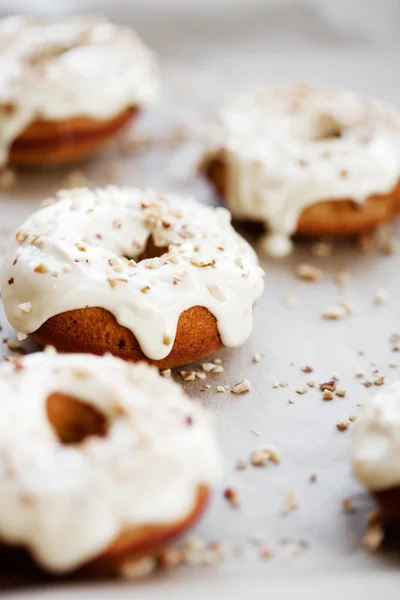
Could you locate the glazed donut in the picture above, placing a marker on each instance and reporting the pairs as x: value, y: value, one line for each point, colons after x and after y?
x: 101, y: 460
x: 306, y: 159
x: 376, y: 450
x: 78, y: 276
x: 66, y: 87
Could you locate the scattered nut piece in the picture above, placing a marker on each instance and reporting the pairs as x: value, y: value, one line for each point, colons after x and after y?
x: 220, y: 388
x: 352, y: 418
x: 348, y: 506
x: 233, y: 496
x: 343, y: 425
x: 188, y: 375
x: 307, y: 369
x: 301, y: 390
x: 267, y: 553
x: 333, y: 313
x: 208, y: 367
x: 200, y: 375
x: 321, y: 249
x: 341, y: 392
x: 360, y: 373
x: 308, y: 272
x: 290, y: 503
x: 284, y: 383
x: 21, y: 336
x: 313, y: 478
x: 373, y: 538
x: 275, y: 384
x: 328, y: 385
x: 166, y: 373
x: 381, y: 296
x: 379, y: 380
x: 240, y: 465
x: 135, y: 569
x: 256, y: 357
x: 328, y: 395
x: 241, y: 387
x: 312, y: 383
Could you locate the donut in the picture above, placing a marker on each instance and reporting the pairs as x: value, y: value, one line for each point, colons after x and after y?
x: 307, y: 159
x: 68, y: 86
x: 376, y: 450
x: 135, y: 273
x: 102, y: 461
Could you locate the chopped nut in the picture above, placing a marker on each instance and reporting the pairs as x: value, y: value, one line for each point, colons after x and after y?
x: 341, y: 392
x: 218, y: 369
x: 328, y: 395
x: 360, y: 373
x: 188, y: 375
x: 313, y: 478
x: 167, y: 340
x: 328, y: 385
x: 348, y: 506
x: 145, y: 289
x: 333, y: 313
x: 41, y: 268
x: 373, y: 538
x: 290, y: 503
x: 335, y: 376
x: 266, y: 553
x: 241, y: 387
x: 352, y: 418
x: 284, y: 383
x: 343, y: 425
x: 308, y: 272
x: 379, y: 380
x: 21, y: 235
x: 166, y: 373
x: 220, y: 388
x: 135, y: 569
x: 301, y: 390
x: 307, y: 369
x: 200, y: 375
x: 312, y: 383
x: 256, y: 357
x: 381, y: 296
x: 233, y: 496
x: 25, y: 307
x: 240, y: 465
x: 258, y: 458
x: 275, y: 384
x: 21, y: 336
x: 208, y: 367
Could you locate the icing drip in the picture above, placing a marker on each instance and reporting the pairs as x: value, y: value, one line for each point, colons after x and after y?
x: 291, y: 146
x: 68, y: 503
x: 81, y: 251
x: 56, y: 71
x: 376, y: 440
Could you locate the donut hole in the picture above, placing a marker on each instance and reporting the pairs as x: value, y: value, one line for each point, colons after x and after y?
x: 151, y: 250
x: 326, y: 127
x: 73, y: 420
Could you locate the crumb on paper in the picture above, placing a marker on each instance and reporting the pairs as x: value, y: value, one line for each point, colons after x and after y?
x: 256, y: 358
x: 308, y: 272
x: 135, y: 569
x: 283, y: 383
x: 328, y: 395
x: 290, y: 503
x: 240, y: 465
x: 343, y: 425
x: 381, y: 296
x: 321, y: 249
x: 328, y: 385
x: 234, y: 497
x: 241, y: 387
x: 379, y: 380
x: 341, y: 392
x: 312, y: 383
x: 264, y: 454
x: 333, y: 313
x: 301, y: 390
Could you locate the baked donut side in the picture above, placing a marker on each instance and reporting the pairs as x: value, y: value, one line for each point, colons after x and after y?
x: 329, y: 217
x: 59, y: 142
x: 129, y: 461
x: 134, y: 273
x: 95, y: 330
x: 68, y: 86
x: 307, y: 159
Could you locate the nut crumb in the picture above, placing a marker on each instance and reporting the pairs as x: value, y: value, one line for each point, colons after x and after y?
x: 267, y: 553
x: 328, y: 395
x: 379, y: 380
x: 256, y: 357
x: 312, y: 383
x: 381, y: 296
x: 343, y: 425
x: 313, y: 478
x: 308, y: 272
x: 241, y: 387
x: 233, y: 496
x: 341, y: 392
x: 240, y: 465
x: 333, y: 313
x: 307, y: 369
x: 284, y: 383
x: 220, y: 388
x: 290, y: 503
x: 373, y: 538
x: 301, y: 390
x: 188, y: 375
x: 328, y: 385
x: 166, y: 373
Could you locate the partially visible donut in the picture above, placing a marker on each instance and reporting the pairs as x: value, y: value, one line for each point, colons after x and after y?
x: 102, y: 461
x: 376, y: 450
x: 306, y: 159
x: 68, y: 86
x: 134, y: 273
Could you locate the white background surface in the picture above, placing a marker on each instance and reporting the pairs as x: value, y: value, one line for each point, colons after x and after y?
x: 207, y: 52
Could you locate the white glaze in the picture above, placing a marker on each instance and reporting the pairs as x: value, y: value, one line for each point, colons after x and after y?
x: 376, y: 440
x: 68, y: 503
x: 279, y: 159
x: 78, y: 66
x: 207, y: 264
